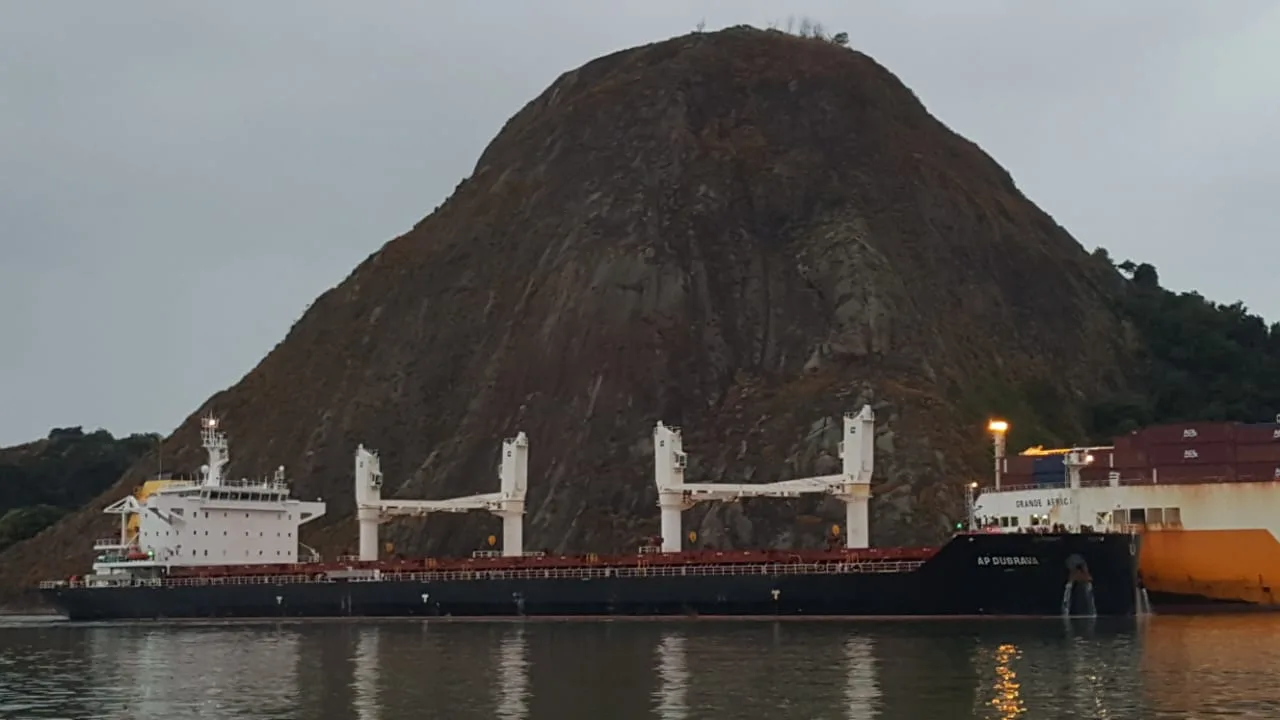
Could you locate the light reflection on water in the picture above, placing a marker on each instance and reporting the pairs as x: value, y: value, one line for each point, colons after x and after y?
x: 1157, y: 668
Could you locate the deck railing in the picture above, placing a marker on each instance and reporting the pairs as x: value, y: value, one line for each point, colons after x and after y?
x: 579, y: 573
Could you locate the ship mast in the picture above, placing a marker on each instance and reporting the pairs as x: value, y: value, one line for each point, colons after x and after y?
x: 215, y: 444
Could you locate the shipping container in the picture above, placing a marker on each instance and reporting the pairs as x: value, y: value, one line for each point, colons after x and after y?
x: 1256, y: 472
x: 1188, y: 474
x: 1020, y: 480
x: 1019, y: 465
x: 1258, y: 434
x: 1136, y: 476
x: 1201, y: 453
x: 1127, y: 443
x: 1265, y: 453
x: 1189, y: 432
x: 1050, y: 480
x: 1049, y: 464
x: 1125, y: 459
x: 1094, y: 475
x: 1102, y: 457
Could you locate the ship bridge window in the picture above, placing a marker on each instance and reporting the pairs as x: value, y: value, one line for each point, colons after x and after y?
x: 1137, y: 516
x: 1173, y: 516
x: 1155, y: 516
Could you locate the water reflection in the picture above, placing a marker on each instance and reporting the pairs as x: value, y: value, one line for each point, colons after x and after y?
x: 364, y: 681
x: 202, y: 672
x: 1165, y: 668
x: 513, y: 674
x: 861, y: 690
x: 672, y: 695
x: 1007, y: 700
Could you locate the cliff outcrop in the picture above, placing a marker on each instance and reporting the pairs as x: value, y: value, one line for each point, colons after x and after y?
x: 744, y: 233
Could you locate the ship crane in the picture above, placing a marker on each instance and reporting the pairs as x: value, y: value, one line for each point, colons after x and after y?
x: 507, y: 503
x: 852, y: 486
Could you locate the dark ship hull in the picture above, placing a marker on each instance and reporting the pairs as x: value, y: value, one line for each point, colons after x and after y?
x: 973, y: 574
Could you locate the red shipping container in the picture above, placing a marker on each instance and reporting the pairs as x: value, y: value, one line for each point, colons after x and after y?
x: 1101, y: 458
x: 1258, y: 434
x: 1268, y: 453
x: 1019, y: 465
x: 1190, y: 432
x: 1258, y: 471
x: 1189, y: 474
x: 1094, y: 475
x: 1019, y: 480
x: 1125, y: 459
x: 1189, y: 454
x: 1127, y: 443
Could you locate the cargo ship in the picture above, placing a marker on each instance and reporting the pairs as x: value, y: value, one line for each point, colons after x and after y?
x: 1204, y: 496
x: 209, y: 547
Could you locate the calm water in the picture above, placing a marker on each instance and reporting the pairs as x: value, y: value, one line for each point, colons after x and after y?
x: 1157, y: 668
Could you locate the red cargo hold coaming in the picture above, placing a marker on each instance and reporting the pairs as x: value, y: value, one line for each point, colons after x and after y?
x: 1191, y: 432
x: 1200, y: 453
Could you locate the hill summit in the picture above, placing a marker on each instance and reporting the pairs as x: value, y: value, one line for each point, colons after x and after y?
x: 745, y: 233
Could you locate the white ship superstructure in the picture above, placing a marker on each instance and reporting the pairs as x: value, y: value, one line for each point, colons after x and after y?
x: 207, y: 521
x: 1127, y: 502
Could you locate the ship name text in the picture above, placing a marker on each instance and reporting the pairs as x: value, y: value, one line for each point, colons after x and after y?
x: 1007, y: 560
x: 1043, y: 502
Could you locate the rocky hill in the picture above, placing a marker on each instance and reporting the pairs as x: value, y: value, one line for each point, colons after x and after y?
x: 745, y: 233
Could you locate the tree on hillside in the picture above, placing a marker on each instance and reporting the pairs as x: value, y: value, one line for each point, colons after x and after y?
x: 1200, y: 360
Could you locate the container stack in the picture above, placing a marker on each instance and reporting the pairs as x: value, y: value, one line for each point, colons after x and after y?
x: 1258, y: 452
x: 1124, y: 459
x: 1049, y: 470
x: 1175, y: 453
x: 1040, y: 469
x: 1190, y: 452
x: 1019, y: 471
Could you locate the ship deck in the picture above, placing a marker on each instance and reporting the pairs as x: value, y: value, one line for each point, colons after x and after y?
x: 566, y: 562
x: 706, y: 562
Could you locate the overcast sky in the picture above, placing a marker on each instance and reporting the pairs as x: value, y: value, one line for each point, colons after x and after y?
x: 179, y: 180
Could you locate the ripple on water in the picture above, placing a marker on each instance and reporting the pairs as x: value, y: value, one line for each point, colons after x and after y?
x: 1161, y: 668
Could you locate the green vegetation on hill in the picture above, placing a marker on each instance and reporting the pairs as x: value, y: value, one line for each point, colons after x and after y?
x: 42, y: 481
x: 1199, y: 360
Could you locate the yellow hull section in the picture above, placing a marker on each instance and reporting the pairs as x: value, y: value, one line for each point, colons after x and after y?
x: 1227, y: 565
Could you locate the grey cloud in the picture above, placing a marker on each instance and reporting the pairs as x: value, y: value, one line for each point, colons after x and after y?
x: 178, y: 181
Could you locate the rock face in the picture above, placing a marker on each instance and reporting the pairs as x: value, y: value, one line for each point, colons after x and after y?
x: 744, y: 233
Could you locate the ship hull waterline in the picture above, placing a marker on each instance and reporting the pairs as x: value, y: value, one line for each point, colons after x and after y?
x: 972, y: 575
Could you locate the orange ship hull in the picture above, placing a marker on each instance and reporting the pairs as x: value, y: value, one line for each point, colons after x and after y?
x: 1181, y: 566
